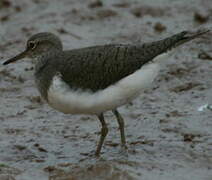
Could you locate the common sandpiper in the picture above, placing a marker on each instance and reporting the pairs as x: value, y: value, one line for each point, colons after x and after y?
x: 96, y: 79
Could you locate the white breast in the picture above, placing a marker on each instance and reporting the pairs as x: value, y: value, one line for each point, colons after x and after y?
x: 66, y: 100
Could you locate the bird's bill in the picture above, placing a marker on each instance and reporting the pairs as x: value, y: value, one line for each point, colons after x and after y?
x: 16, y: 58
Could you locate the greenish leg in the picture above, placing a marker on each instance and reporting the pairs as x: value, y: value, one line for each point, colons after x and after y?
x: 104, y: 132
x: 121, y: 127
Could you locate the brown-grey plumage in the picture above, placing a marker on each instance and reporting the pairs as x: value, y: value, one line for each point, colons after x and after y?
x: 93, y: 68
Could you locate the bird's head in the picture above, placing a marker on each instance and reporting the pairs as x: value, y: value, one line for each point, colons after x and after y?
x: 37, y: 45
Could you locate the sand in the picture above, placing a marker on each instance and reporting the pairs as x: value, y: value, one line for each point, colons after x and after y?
x: 168, y: 127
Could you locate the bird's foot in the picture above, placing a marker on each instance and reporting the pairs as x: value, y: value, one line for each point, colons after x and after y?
x: 124, y: 150
x: 92, y: 155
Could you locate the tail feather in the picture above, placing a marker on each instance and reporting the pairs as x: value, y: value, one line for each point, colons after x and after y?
x: 186, y: 36
x: 153, y: 49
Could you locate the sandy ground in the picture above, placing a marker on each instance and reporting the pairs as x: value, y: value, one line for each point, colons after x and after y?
x: 168, y: 128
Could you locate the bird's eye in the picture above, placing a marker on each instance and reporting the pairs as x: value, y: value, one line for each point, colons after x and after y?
x: 31, y: 45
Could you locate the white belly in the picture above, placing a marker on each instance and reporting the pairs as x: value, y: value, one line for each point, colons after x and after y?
x: 64, y: 99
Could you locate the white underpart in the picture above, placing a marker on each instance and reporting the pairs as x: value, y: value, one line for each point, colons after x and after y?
x: 66, y: 100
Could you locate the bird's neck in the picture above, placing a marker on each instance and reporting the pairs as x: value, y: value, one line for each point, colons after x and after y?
x: 44, y: 71
x: 42, y: 59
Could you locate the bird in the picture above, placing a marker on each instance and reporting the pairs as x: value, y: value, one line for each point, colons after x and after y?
x: 96, y: 79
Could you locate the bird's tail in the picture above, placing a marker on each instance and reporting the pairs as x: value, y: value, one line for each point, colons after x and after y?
x: 161, y: 47
x: 186, y: 36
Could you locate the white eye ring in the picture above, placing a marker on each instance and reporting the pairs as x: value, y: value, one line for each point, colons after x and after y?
x: 32, y: 45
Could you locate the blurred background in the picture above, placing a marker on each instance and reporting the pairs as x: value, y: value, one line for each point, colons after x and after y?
x: 168, y: 128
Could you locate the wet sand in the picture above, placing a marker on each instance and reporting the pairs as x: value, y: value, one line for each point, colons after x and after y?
x: 168, y: 127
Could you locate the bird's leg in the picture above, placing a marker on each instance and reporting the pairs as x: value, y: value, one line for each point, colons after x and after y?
x: 104, y: 132
x: 121, y: 127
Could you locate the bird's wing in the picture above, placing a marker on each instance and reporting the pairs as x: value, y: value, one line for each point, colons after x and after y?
x: 98, y: 67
